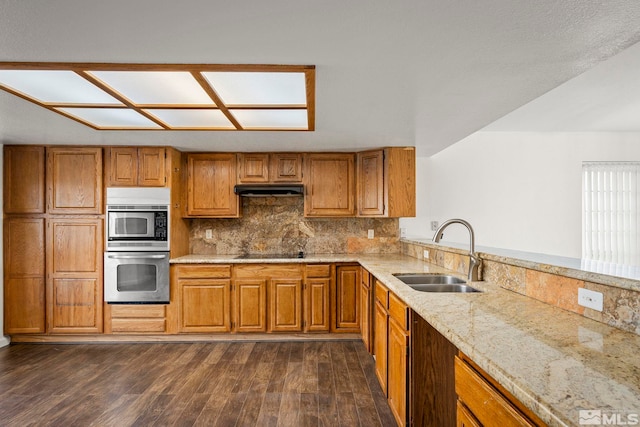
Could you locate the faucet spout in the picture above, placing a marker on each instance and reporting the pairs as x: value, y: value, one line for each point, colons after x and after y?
x: 474, y: 260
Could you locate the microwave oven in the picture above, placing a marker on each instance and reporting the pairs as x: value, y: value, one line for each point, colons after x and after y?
x: 133, y: 225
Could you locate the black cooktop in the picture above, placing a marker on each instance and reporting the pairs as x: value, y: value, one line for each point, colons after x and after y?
x: 271, y: 256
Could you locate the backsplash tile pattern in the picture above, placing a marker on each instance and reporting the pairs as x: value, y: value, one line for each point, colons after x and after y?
x: 271, y: 225
x: 621, y: 308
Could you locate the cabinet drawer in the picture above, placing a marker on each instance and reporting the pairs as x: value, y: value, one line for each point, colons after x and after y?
x: 319, y: 270
x: 251, y: 271
x: 485, y: 402
x: 398, y: 311
x: 138, y: 325
x: 382, y: 294
x: 204, y: 271
x: 128, y: 311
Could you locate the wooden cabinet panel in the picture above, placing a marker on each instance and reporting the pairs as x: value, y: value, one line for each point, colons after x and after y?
x: 253, y: 168
x: 346, y: 301
x: 250, y: 306
x: 74, y: 267
x: 371, y: 183
x: 151, y: 168
x: 465, y: 418
x: 139, y: 326
x: 398, y: 346
x: 488, y: 405
x: 24, y: 182
x: 205, y: 305
x: 380, y: 341
x: 317, y: 305
x: 136, y: 166
x: 365, y: 308
x: 285, y: 167
x: 386, y: 182
x: 330, y: 184
x: 74, y: 180
x: 210, y: 182
x: 123, y: 166
x: 285, y: 305
x: 432, y: 387
x: 24, y: 275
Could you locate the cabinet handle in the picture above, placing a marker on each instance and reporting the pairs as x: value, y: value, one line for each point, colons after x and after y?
x: 136, y: 256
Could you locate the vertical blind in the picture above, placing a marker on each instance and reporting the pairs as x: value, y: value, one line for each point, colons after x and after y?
x: 611, y: 215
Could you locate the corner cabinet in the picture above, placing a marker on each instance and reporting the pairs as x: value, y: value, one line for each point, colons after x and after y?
x: 329, y: 185
x: 136, y: 166
x: 386, y: 182
x: 210, y: 182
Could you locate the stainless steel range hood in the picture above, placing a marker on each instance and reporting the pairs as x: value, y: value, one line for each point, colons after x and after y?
x: 269, y: 190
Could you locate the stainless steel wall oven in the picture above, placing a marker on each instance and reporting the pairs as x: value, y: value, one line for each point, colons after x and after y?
x: 136, y: 262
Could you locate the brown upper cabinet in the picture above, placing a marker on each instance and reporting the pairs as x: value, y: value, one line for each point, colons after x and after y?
x: 210, y: 181
x: 136, y: 167
x: 74, y: 180
x: 262, y: 168
x: 387, y: 182
x: 24, y: 184
x: 330, y: 184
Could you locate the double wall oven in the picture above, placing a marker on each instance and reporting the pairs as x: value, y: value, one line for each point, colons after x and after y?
x: 136, y: 263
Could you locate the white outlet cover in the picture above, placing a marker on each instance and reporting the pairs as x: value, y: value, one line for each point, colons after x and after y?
x: 590, y: 299
x: 370, y: 234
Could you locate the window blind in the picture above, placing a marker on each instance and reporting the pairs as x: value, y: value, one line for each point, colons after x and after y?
x: 611, y: 215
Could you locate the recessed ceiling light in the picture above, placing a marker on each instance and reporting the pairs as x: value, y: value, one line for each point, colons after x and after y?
x: 169, y: 97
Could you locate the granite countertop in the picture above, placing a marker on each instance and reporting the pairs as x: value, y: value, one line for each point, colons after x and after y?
x: 554, y: 361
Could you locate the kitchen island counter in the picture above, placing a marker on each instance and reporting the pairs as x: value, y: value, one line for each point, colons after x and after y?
x: 554, y: 361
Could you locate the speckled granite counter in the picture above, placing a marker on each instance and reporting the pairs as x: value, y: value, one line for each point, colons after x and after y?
x: 555, y: 362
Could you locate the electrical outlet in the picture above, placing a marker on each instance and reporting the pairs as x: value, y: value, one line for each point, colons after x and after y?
x: 403, y: 232
x: 590, y: 299
x: 434, y: 225
x: 370, y: 234
x: 208, y: 233
x: 425, y: 254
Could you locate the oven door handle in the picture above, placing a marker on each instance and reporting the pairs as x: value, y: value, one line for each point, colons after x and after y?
x: 136, y: 256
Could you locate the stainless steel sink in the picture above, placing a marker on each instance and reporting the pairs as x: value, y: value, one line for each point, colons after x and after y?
x: 435, y: 283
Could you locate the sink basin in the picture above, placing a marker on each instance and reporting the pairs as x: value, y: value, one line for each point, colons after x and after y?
x: 435, y: 283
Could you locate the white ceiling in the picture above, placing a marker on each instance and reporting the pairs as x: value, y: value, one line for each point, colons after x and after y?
x: 413, y: 72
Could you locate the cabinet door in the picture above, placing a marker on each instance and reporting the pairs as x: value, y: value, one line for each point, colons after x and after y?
x: 317, y: 305
x: 23, y: 179
x: 210, y: 182
x: 286, y: 167
x: 381, y: 322
x: 250, y: 305
x: 330, y: 185
x: 123, y: 167
x: 74, y: 267
x: 285, y: 305
x: 464, y: 418
x: 371, y: 183
x: 151, y: 169
x: 74, y: 180
x: 24, y: 270
x: 347, y: 299
x: 253, y: 168
x: 365, y: 313
x: 397, y: 356
x: 205, y: 305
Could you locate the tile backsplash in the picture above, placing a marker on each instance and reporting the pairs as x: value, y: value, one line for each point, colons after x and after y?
x: 271, y: 225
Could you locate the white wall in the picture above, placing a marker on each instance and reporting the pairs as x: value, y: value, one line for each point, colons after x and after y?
x: 519, y: 190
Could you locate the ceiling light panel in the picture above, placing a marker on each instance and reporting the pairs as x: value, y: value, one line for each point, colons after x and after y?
x: 156, y: 87
x: 55, y: 87
x: 111, y: 118
x: 258, y: 88
x: 194, y: 119
x: 268, y: 119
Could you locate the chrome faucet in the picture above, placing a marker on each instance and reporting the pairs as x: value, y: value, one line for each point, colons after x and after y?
x: 474, y: 260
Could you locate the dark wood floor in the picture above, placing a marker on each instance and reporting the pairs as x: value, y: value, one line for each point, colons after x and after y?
x: 204, y: 384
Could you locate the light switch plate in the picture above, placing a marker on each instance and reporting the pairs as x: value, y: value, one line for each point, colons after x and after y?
x: 208, y: 233
x: 370, y: 234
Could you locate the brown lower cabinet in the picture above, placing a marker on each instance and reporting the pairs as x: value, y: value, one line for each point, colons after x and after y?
x: 482, y: 401
x: 317, y: 286
x: 346, y: 299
